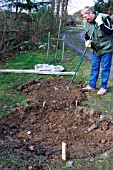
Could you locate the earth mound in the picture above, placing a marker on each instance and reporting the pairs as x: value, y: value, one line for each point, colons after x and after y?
x: 52, y: 115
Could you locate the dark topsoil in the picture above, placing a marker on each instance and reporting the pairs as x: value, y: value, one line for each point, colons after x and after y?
x: 50, y: 116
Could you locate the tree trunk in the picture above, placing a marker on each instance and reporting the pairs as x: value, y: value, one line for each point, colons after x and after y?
x: 66, y: 7
x: 53, y: 6
x: 63, y: 12
x: 58, y: 8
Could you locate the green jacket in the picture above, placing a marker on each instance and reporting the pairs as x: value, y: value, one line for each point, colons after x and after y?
x: 101, y: 43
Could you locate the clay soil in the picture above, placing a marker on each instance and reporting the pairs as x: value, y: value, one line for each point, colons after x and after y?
x: 52, y: 115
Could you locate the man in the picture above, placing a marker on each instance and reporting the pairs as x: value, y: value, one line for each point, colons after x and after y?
x: 101, y: 44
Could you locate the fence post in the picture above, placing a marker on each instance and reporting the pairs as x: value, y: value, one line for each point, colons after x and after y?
x: 58, y: 37
x: 48, y: 45
x: 63, y: 47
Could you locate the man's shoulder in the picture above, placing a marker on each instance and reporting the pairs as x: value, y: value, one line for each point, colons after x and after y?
x: 104, y: 15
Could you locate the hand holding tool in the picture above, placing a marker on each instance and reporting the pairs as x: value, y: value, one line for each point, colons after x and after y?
x: 88, y: 43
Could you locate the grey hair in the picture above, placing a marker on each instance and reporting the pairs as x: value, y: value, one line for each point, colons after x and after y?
x: 87, y: 10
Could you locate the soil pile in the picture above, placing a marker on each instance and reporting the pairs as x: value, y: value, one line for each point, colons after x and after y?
x: 52, y: 115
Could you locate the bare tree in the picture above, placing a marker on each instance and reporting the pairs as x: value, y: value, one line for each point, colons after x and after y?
x: 53, y: 6
x: 58, y: 8
x: 63, y: 12
x: 66, y: 5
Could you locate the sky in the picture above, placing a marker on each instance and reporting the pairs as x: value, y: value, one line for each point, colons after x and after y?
x: 75, y: 6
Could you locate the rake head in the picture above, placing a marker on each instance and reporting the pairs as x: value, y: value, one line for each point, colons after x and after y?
x: 68, y: 88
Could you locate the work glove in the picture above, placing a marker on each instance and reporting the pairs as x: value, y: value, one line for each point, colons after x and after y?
x: 88, y: 44
x: 98, y: 20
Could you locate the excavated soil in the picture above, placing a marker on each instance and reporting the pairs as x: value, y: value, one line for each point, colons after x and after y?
x: 52, y: 115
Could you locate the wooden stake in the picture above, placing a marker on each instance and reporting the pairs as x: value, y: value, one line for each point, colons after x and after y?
x: 63, y: 151
x: 63, y: 47
x: 48, y: 45
x: 58, y: 37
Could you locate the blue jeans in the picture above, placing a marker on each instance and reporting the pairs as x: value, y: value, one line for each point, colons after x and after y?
x: 105, y: 61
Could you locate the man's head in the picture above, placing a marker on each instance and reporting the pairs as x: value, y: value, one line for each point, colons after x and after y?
x: 88, y: 14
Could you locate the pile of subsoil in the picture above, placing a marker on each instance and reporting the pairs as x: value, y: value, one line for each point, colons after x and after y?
x: 52, y: 115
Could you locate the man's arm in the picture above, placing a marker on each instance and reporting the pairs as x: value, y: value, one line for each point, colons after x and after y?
x: 107, y: 26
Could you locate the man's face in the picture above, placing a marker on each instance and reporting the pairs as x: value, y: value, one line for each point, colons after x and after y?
x: 88, y: 17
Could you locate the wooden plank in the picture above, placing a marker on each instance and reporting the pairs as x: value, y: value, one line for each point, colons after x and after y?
x: 36, y: 72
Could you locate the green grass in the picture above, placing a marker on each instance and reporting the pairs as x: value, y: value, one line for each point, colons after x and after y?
x: 82, y: 164
x: 101, y: 103
x: 13, y: 160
